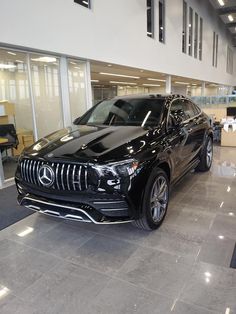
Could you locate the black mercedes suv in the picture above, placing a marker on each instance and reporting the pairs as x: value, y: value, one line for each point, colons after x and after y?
x: 117, y: 162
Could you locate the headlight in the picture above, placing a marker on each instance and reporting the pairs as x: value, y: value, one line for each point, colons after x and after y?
x: 121, y: 169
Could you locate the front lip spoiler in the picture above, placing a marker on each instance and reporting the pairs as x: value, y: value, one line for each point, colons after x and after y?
x: 40, y: 206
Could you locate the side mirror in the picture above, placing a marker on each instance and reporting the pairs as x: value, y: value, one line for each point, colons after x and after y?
x: 76, y: 121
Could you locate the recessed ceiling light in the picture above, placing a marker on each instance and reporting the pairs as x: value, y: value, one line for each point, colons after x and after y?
x: 119, y: 75
x: 183, y: 83
x: 11, y: 53
x: 7, y: 66
x: 151, y: 85
x: 95, y: 81
x: 158, y: 80
x: 45, y: 59
x: 125, y: 83
x: 221, y: 3
x: 230, y: 17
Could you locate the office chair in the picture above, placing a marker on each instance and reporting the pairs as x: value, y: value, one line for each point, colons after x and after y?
x: 8, y: 131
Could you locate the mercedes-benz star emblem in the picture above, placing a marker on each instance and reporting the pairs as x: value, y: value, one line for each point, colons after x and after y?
x: 46, y: 175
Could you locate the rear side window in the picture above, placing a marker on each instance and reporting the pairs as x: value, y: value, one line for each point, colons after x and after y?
x: 189, y: 109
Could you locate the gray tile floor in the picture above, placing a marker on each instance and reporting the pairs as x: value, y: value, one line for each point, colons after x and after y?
x: 182, y: 268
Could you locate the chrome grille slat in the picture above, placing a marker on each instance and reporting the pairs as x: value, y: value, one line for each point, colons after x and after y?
x: 62, y: 175
x: 73, y: 177
x: 67, y: 176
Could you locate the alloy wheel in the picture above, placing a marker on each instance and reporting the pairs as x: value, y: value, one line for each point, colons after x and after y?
x: 159, y: 198
x: 209, y: 153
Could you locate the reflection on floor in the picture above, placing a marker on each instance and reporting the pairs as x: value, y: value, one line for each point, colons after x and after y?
x: 9, y: 168
x: 51, y: 266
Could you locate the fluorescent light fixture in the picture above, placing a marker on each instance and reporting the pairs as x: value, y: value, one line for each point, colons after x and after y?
x: 183, y: 83
x: 7, y: 66
x: 230, y: 17
x: 45, y: 59
x: 109, y: 65
x: 25, y: 232
x: 194, y: 84
x: 125, y: 83
x: 4, y: 291
x: 71, y: 62
x: 153, y: 79
x: 221, y: 3
x: 151, y: 84
x: 77, y: 68
x: 95, y: 81
x: 120, y: 75
x: 19, y: 61
x: 11, y: 53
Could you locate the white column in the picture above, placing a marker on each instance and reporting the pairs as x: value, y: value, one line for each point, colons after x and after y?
x: 31, y: 92
x: 65, y: 95
x: 88, y: 86
x: 203, y: 89
x: 168, y: 84
x: 1, y: 171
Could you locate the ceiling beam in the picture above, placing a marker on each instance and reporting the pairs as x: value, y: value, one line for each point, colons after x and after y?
x: 231, y: 24
x: 227, y: 10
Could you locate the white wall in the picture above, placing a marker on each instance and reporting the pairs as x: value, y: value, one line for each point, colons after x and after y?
x: 115, y: 31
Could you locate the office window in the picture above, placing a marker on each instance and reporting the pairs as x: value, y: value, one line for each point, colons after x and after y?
x: 162, y: 21
x: 200, y: 39
x: 215, y: 49
x: 196, y: 36
x: 230, y: 61
x: 84, y: 3
x: 184, y: 32
x: 150, y: 18
x: 190, y: 32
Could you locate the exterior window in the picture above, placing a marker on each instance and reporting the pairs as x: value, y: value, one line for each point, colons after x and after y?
x: 200, y: 38
x: 230, y: 63
x: 196, y: 36
x: 84, y: 3
x: 190, y: 32
x: 215, y: 50
x: 162, y: 21
x: 184, y: 33
x: 150, y: 18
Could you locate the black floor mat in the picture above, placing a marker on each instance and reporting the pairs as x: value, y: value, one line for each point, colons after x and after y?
x: 10, y: 211
x: 233, y: 260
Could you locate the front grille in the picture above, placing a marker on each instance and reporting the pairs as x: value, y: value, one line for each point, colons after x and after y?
x: 67, y: 176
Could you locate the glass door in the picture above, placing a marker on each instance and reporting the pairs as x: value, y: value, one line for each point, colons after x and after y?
x: 16, y: 125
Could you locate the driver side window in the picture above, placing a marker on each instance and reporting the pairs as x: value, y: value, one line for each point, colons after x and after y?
x: 176, y: 106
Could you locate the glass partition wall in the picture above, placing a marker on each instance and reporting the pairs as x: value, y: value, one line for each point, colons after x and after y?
x: 31, y: 102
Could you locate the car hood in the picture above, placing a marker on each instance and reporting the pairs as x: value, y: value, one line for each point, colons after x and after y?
x: 90, y: 143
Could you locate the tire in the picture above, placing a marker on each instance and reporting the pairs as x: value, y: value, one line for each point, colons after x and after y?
x: 155, y: 202
x: 206, y: 156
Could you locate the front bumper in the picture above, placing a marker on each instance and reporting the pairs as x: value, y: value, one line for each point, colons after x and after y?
x: 99, y: 208
x: 68, y: 211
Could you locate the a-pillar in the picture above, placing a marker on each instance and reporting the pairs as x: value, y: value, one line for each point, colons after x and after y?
x: 168, y: 84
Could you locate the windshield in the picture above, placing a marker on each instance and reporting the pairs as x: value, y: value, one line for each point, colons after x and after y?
x: 131, y: 112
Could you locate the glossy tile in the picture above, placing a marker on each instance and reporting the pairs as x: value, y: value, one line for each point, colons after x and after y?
x: 66, y: 289
x: 183, y: 308
x: 212, y: 287
x: 157, y: 271
x: 104, y: 254
x: 121, y: 297
x: 20, y: 270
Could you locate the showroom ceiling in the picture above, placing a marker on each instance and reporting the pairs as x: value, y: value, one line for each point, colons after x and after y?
x: 112, y: 74
x: 227, y: 12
